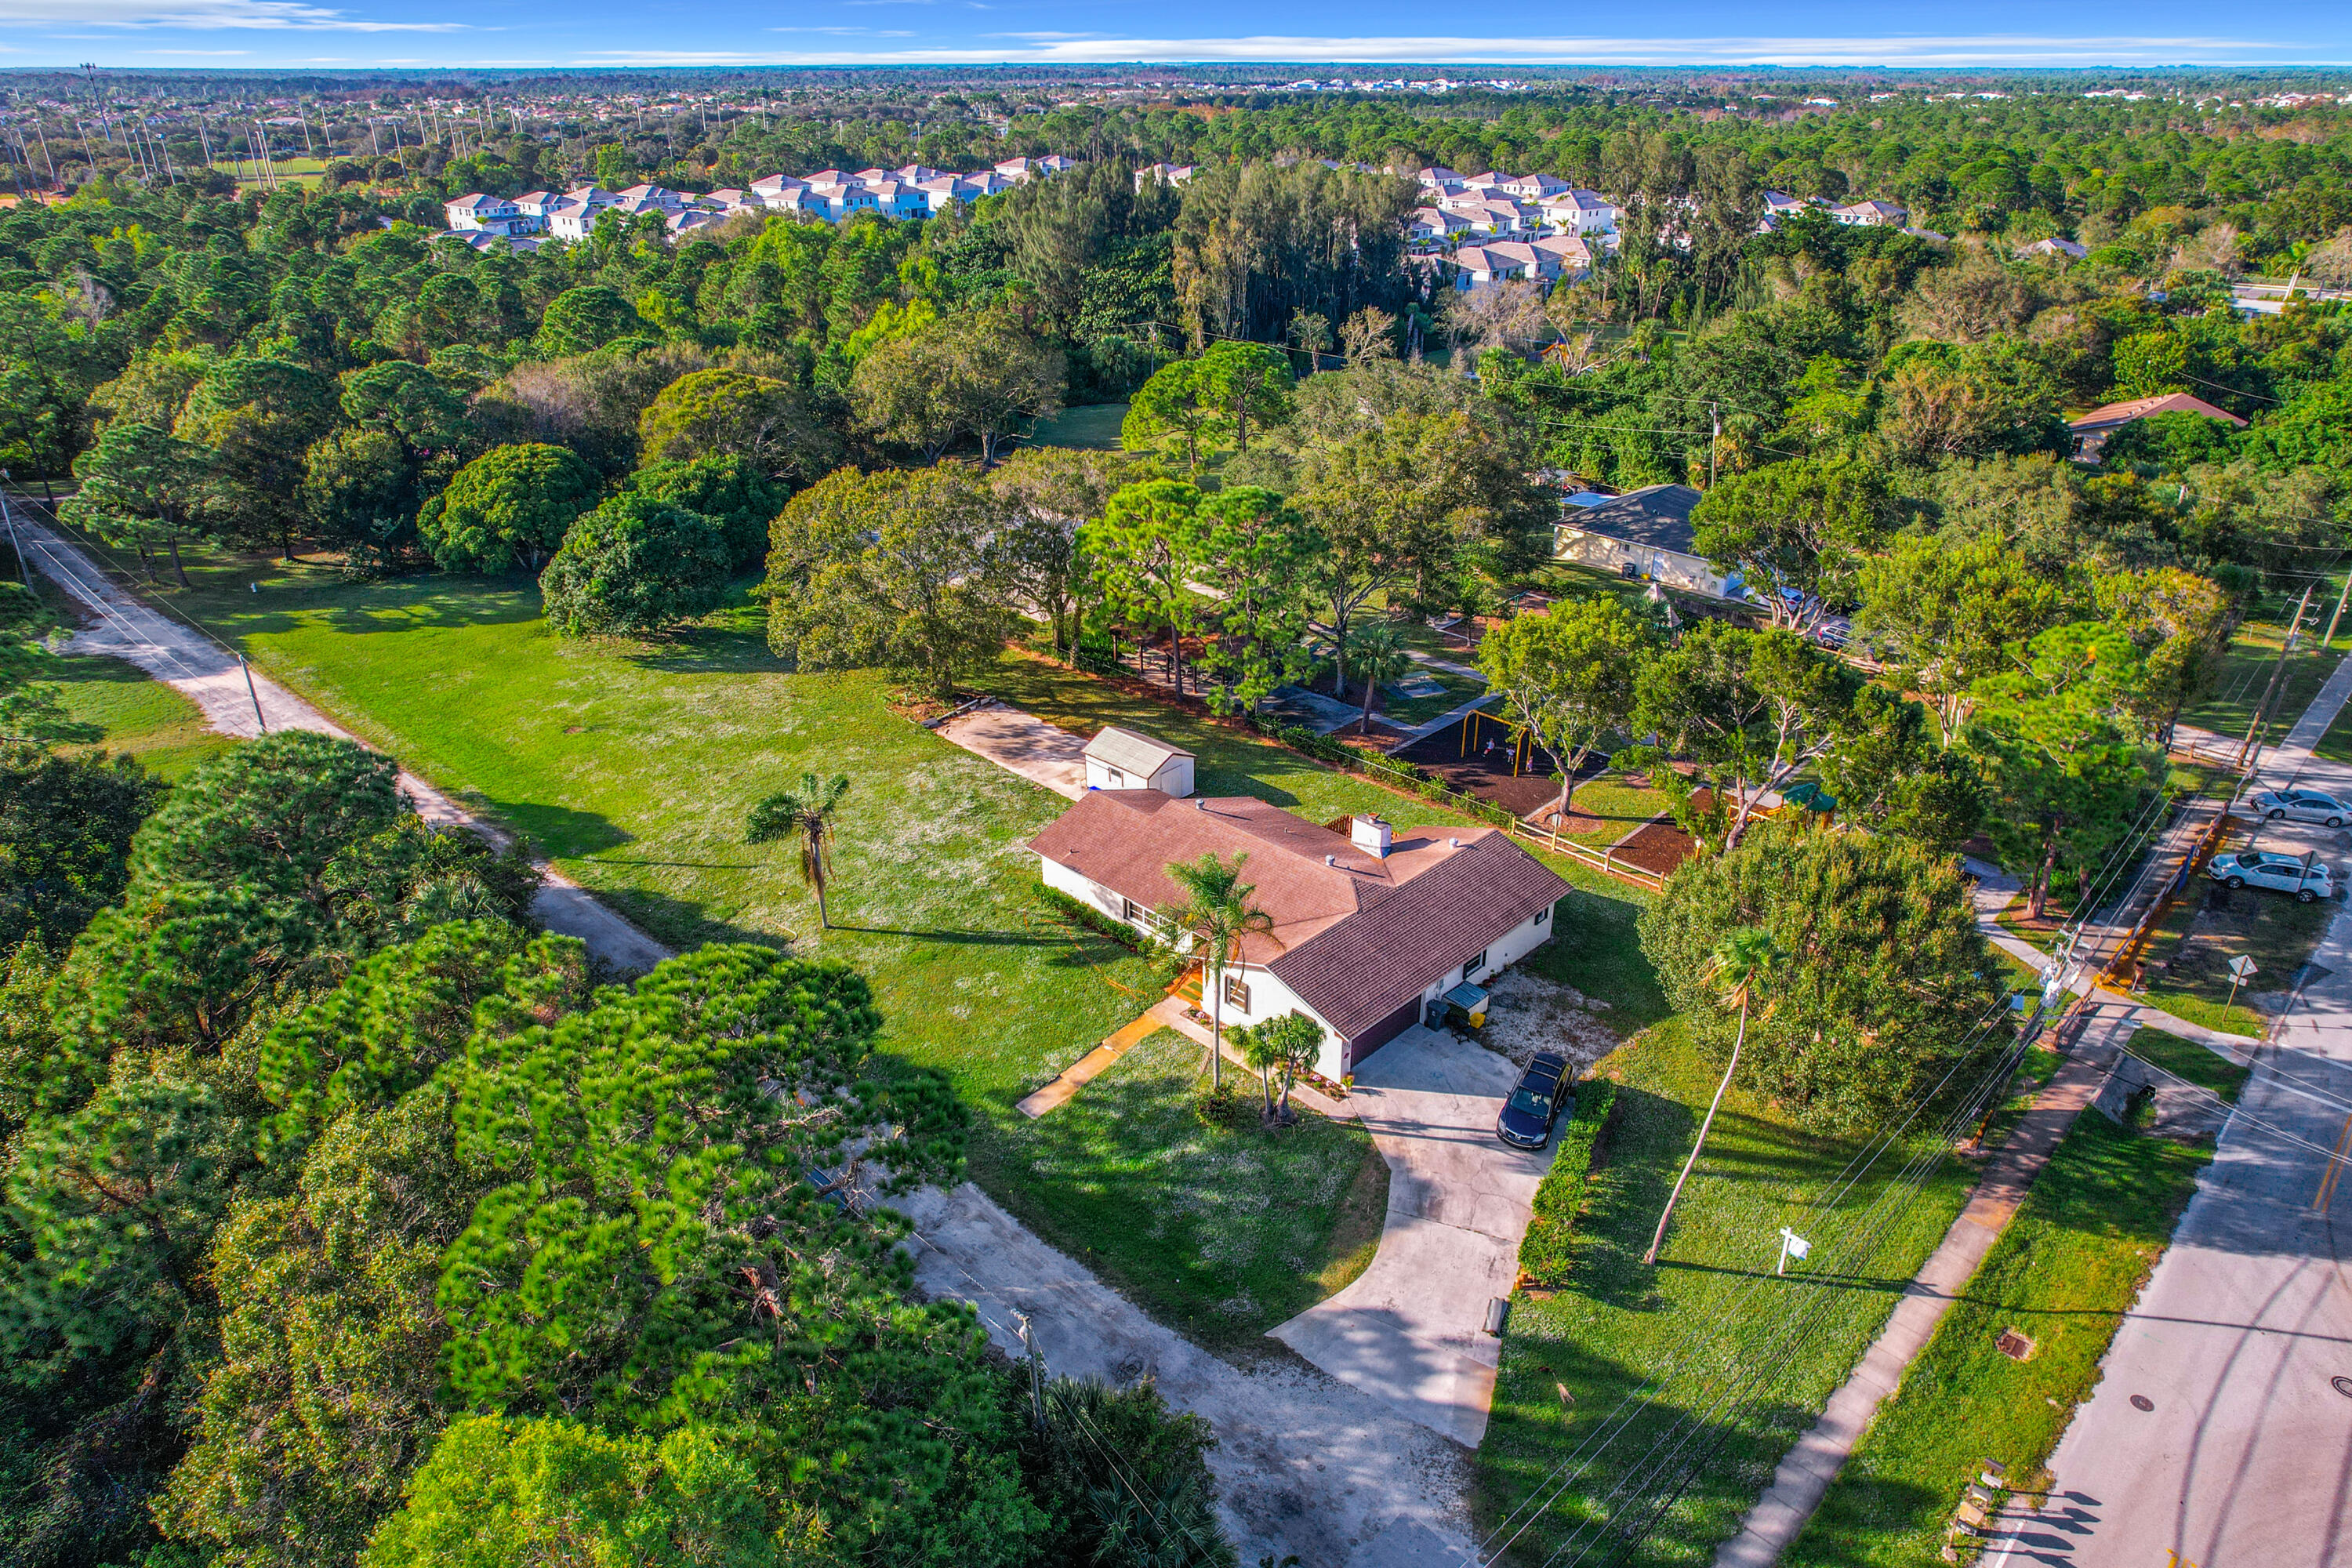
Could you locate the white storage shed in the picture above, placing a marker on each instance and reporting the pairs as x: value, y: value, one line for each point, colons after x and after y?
x: 1127, y: 759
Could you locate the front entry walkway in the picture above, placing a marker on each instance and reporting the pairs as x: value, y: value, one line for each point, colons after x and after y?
x: 1023, y: 744
x: 1410, y: 1329
x: 1074, y: 1077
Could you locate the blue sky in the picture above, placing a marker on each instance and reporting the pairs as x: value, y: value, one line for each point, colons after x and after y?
x: 250, y: 32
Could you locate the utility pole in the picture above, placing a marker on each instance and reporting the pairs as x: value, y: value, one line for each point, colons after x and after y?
x: 1714, y: 440
x: 52, y: 162
x: 249, y: 691
x: 2261, y: 709
x: 1036, y: 1372
x: 23, y: 570
x: 2340, y: 610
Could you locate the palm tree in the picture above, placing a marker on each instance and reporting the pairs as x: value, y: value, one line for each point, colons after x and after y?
x: 808, y: 812
x: 1216, y: 913
x: 1746, y: 961
x: 1377, y: 652
x: 1287, y: 1044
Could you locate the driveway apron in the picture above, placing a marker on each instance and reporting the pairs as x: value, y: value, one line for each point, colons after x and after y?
x: 1411, y: 1330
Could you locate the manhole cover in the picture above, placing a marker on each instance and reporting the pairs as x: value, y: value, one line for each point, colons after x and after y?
x: 2342, y: 1385
x: 2142, y: 1402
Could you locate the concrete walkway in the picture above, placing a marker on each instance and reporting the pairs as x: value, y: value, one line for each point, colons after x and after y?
x: 1449, y: 717
x: 1807, y: 1469
x: 1076, y: 1076
x: 1410, y: 1329
x: 1022, y: 745
x: 236, y: 702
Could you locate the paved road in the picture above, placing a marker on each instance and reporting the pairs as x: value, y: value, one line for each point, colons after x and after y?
x: 236, y: 702
x: 1410, y: 1329
x: 2244, y: 1457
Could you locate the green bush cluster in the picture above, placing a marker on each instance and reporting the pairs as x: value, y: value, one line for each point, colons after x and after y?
x: 1093, y: 919
x: 1544, y: 1252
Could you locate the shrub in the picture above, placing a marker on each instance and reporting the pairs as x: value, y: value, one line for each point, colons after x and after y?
x: 1544, y: 1252
x: 1093, y: 919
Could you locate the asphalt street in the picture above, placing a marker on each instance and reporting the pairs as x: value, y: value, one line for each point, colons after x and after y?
x: 2220, y: 1434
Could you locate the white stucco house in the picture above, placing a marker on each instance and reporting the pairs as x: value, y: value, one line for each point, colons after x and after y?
x: 1371, y: 926
x: 1128, y: 759
x: 1644, y: 534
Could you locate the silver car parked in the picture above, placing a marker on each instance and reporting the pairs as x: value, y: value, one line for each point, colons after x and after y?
x: 2302, y: 806
x: 2279, y: 873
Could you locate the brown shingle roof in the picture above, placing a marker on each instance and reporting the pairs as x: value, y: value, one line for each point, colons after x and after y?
x: 1362, y: 968
x: 1356, y: 936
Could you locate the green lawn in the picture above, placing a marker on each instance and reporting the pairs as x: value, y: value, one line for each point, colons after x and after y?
x: 2188, y: 954
x: 144, y: 718
x: 1093, y: 426
x: 1712, y: 1298
x: 2198, y: 1063
x: 632, y: 764
x: 2252, y: 658
x: 1235, y: 1226
x: 2062, y: 1274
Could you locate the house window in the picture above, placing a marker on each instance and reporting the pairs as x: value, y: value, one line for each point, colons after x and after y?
x: 1543, y: 916
x: 1474, y: 966
x: 1132, y: 912
x: 1117, y: 779
x: 1236, y: 993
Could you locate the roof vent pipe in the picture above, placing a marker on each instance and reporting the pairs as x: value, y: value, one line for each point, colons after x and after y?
x: 1330, y: 859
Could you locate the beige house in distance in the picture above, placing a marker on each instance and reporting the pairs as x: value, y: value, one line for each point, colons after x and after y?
x: 1644, y: 534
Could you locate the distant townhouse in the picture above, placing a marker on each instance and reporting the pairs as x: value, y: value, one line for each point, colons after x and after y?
x: 1582, y: 211
x: 2065, y: 247
x: 1434, y: 224
x: 1165, y: 173
x: 490, y: 215
x: 2091, y: 431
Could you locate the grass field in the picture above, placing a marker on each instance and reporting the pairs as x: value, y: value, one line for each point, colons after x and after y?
x: 2062, y: 1274
x: 1619, y: 1322
x: 1093, y: 426
x: 2188, y: 954
x: 2228, y: 707
x: 632, y: 765
x: 2201, y: 1065
x: 142, y: 717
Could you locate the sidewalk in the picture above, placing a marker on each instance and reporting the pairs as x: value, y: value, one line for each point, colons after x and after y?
x: 1807, y: 1469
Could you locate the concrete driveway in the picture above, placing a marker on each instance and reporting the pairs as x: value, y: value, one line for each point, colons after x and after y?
x: 1411, y: 1330
x: 1022, y: 745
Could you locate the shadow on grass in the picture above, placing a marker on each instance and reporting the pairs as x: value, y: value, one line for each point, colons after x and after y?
x: 1653, y: 1493
x: 559, y: 830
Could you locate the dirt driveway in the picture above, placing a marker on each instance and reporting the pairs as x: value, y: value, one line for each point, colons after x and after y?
x: 1305, y: 1463
x: 1410, y: 1329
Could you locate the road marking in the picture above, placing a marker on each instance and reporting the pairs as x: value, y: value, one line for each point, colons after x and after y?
x: 2330, y: 1178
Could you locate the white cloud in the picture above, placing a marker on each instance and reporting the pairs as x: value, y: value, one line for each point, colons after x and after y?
x: 2012, y: 49
x: 205, y: 15
x: 205, y: 53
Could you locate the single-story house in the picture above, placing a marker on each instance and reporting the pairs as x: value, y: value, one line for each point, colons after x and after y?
x: 1369, y: 926
x: 1128, y: 759
x: 2065, y: 247
x: 1872, y: 214
x: 1645, y: 533
x: 2092, y: 430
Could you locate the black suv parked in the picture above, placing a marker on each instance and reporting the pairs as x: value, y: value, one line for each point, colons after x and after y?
x: 1534, y: 1105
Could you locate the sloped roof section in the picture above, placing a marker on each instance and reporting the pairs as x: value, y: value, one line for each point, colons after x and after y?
x: 2114, y: 414
x: 1362, y: 968
x: 1132, y: 751
x: 1659, y: 515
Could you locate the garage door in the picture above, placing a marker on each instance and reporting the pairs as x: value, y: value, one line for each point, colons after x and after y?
x: 1381, y: 1033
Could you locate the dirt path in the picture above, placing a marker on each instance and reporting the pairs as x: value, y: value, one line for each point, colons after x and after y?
x: 1306, y: 1463
x: 239, y: 703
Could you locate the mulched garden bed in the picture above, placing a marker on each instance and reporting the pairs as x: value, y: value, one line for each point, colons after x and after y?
x: 1488, y: 775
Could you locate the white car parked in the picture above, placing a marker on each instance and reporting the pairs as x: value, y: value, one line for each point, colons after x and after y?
x: 2279, y: 873
x: 2302, y: 806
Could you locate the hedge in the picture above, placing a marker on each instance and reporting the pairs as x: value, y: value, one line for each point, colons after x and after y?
x: 1544, y: 1253
x: 1093, y: 919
